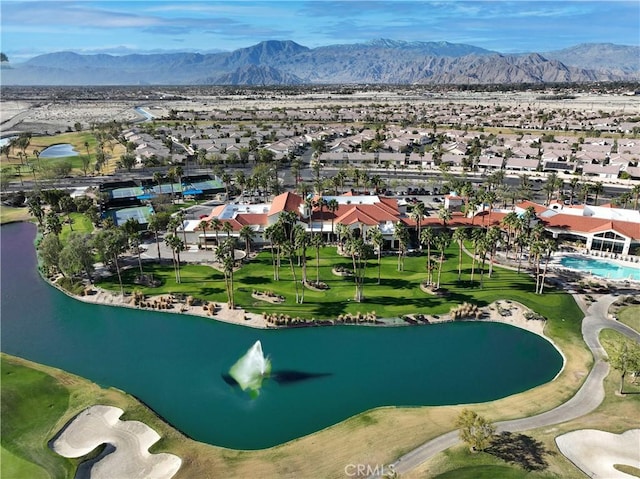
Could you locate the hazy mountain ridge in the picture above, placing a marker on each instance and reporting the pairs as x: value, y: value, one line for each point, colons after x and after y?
x: 378, y: 61
x: 596, y: 56
x: 258, y: 75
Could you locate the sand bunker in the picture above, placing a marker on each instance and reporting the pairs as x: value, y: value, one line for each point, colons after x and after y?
x: 595, y: 452
x: 131, y: 439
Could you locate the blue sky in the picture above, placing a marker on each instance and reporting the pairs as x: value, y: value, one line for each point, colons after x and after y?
x: 33, y: 27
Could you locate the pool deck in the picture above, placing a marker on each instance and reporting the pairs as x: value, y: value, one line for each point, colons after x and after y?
x: 613, y: 258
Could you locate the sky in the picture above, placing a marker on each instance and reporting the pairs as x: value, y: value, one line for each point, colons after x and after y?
x: 33, y: 27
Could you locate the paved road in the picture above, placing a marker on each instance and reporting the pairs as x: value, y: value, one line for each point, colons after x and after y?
x: 588, y: 397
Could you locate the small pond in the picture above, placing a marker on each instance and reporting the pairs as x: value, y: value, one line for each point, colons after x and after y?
x: 58, y: 151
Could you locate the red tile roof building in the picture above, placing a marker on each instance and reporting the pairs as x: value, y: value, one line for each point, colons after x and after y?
x: 601, y: 228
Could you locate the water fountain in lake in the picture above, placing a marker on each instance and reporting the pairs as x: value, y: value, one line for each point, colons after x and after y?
x: 251, y: 369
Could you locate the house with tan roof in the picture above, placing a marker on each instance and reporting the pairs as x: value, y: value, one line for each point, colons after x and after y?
x: 521, y: 164
x: 601, y: 171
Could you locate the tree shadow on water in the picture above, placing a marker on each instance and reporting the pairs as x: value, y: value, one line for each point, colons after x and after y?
x: 519, y: 449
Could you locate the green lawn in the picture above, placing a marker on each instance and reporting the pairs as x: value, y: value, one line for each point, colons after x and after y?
x: 32, y: 404
x: 399, y: 292
x: 80, y: 223
x: 612, y: 340
x: 9, y: 214
x: 630, y: 316
x: 77, y: 139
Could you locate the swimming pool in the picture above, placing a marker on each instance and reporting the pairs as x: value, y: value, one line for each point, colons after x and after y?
x: 598, y: 267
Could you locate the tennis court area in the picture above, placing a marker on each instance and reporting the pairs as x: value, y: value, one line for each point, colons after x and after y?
x: 140, y: 213
x: 207, y: 185
x: 125, y: 192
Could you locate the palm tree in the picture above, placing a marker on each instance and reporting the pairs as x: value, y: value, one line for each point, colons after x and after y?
x: 158, y: 177
x: 216, y: 226
x: 338, y: 181
x: 333, y: 206
x: 227, y: 227
x: 598, y: 189
x: 635, y: 191
x: 482, y: 249
x: 585, y: 189
x: 269, y: 233
x: 34, y: 205
x: 536, y: 248
x: 402, y: 235
x: 427, y: 238
x: 520, y: 242
x: 550, y: 186
x: 528, y: 217
x: 246, y: 233
x: 490, y: 198
x: 573, y: 184
x: 624, y: 199
x: 443, y: 240
x: 477, y: 236
x: 359, y: 251
x: 418, y: 214
x: 466, y: 192
x: 203, y: 226
x: 226, y: 179
x: 308, y: 207
x: 317, y: 242
x: 549, y: 246
x: 111, y: 243
x: 493, y: 236
x: 460, y: 235
x: 171, y: 176
x: 225, y: 254
x: 154, y: 225
x: 321, y: 203
x: 18, y: 169
x: 301, y: 242
x: 179, y: 172
x: 377, y: 239
x: 296, y: 166
x: 536, y: 234
x: 241, y: 181
x: 181, y: 217
x: 130, y: 227
x: 444, y: 215
x: 509, y: 222
x: 342, y: 232
x: 176, y: 245
x: 275, y: 234
x: 289, y: 220
x: 289, y: 250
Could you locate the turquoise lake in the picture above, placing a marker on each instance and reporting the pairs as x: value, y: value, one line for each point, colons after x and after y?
x: 176, y: 363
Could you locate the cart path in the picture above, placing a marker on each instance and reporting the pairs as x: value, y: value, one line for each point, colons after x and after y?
x: 588, y: 397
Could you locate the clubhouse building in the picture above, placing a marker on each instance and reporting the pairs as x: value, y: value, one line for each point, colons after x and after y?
x: 598, y: 228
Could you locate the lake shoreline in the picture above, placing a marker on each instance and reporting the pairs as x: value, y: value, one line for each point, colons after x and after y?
x: 515, y: 312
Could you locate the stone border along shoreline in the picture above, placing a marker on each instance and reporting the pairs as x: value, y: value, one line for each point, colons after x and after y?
x: 492, y: 313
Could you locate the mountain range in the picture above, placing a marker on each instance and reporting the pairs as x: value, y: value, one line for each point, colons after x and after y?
x: 381, y: 61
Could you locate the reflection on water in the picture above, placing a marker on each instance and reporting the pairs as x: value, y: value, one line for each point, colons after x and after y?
x: 58, y: 151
